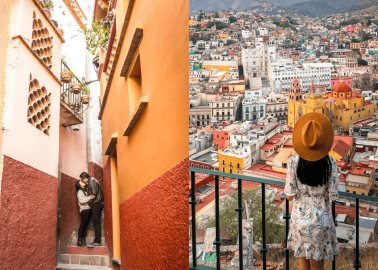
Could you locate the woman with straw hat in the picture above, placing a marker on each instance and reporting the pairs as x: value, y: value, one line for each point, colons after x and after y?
x: 312, y: 181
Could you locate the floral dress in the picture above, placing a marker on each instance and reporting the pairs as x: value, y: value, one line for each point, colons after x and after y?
x: 312, y: 231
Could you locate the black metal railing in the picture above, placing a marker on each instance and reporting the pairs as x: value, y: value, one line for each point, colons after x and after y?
x: 264, y: 249
x: 68, y: 97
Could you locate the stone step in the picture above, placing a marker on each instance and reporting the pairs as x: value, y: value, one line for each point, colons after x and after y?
x: 90, y: 239
x: 101, y: 250
x: 91, y: 232
x: 66, y: 266
x: 84, y: 260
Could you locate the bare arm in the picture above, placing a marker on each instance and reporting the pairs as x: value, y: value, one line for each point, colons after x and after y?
x: 291, y: 180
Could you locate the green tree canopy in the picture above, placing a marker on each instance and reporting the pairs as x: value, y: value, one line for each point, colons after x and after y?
x: 275, y: 229
x: 232, y: 19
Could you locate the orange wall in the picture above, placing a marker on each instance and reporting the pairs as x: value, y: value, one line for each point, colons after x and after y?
x: 223, y: 139
x: 159, y: 141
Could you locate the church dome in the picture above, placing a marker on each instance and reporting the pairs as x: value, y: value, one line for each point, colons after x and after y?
x: 341, y: 87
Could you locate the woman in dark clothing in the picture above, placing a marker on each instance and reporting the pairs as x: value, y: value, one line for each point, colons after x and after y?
x: 85, y: 211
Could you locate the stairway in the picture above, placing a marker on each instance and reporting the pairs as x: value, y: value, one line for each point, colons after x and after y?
x: 84, y: 258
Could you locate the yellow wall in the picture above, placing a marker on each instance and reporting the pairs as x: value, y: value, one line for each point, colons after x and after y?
x: 218, y: 67
x: 345, y: 110
x: 233, y: 88
x: 357, y: 190
x: 159, y: 140
x: 335, y: 155
x: 227, y: 159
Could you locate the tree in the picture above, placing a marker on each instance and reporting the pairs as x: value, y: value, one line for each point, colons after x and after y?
x: 275, y: 230
x: 232, y: 19
x: 362, y: 62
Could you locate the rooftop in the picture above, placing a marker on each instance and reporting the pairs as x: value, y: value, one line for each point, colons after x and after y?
x: 207, y: 158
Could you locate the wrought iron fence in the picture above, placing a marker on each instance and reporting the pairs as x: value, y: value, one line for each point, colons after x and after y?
x: 68, y: 97
x: 264, y: 248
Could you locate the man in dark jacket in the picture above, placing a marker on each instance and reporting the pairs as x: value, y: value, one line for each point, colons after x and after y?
x: 97, y: 204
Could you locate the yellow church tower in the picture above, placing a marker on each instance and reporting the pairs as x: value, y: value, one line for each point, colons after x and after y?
x: 299, y: 106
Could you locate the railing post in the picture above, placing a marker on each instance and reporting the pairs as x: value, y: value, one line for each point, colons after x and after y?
x: 334, y: 221
x: 263, y: 249
x: 357, y: 263
x: 287, y: 219
x: 217, y: 241
x: 193, y: 202
x: 240, y: 223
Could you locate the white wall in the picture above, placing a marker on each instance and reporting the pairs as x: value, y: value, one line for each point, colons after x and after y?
x: 23, y: 141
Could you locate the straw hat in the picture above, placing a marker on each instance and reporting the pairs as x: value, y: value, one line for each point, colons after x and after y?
x: 313, y: 136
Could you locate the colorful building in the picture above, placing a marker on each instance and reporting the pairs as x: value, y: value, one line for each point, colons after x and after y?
x: 342, y: 105
x: 234, y: 160
x: 144, y: 113
x: 360, y: 180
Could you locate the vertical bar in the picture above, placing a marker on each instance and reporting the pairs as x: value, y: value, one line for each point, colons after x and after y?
x: 287, y: 218
x: 334, y: 221
x: 357, y: 263
x: 193, y: 202
x: 217, y: 241
x: 240, y: 223
x: 263, y: 248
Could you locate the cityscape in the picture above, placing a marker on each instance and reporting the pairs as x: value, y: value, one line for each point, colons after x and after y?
x: 253, y: 74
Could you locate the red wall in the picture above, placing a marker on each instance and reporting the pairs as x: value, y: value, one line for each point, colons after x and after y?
x: 154, y: 223
x: 221, y: 139
x: 70, y: 217
x: 108, y: 208
x: 95, y: 171
x: 27, y: 218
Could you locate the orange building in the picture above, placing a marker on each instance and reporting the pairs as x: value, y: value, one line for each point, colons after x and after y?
x: 221, y: 139
x: 144, y: 112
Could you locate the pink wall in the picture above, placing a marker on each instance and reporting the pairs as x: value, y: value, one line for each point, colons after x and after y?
x: 73, y: 151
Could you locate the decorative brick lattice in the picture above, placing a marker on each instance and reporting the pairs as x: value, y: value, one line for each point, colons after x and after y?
x: 42, y: 41
x: 39, y: 106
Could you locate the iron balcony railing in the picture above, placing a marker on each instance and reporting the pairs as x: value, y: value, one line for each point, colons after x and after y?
x: 72, y: 100
x: 264, y: 249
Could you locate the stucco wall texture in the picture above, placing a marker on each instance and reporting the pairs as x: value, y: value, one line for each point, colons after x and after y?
x: 27, y: 218
x: 95, y: 170
x: 108, y: 208
x: 154, y: 223
x: 70, y: 217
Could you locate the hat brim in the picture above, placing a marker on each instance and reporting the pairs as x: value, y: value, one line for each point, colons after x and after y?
x: 305, y: 152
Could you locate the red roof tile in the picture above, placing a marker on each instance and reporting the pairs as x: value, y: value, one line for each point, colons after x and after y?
x: 341, y: 148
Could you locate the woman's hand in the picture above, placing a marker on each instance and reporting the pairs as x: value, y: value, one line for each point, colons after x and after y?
x: 92, y: 196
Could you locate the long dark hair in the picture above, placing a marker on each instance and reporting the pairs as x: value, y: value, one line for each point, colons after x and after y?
x: 314, y: 173
x: 78, y: 187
